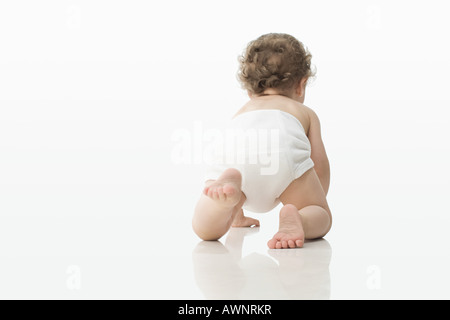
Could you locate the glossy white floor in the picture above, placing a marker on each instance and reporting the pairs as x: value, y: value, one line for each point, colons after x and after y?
x: 114, y: 242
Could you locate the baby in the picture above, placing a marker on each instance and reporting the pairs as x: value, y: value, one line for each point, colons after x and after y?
x: 274, y: 70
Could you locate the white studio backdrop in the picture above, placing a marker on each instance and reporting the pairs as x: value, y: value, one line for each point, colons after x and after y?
x: 92, y: 92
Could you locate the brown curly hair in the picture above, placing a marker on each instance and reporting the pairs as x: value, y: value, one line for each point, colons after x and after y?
x: 274, y: 60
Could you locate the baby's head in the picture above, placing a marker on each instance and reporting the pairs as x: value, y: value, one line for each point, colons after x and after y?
x: 275, y: 61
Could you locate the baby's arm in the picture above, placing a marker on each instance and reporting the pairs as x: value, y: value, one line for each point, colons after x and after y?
x: 318, y: 153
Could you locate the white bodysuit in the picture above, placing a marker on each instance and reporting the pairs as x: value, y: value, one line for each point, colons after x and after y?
x: 270, y: 149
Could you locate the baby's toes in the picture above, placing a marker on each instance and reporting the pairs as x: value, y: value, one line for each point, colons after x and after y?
x: 291, y: 244
x: 254, y: 222
x: 271, y: 243
x: 221, y: 195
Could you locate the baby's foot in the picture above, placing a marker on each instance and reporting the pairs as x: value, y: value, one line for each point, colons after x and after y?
x: 226, y: 190
x: 241, y: 221
x: 290, y: 233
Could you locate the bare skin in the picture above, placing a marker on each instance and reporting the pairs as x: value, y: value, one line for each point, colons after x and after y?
x: 220, y: 203
x: 290, y: 233
x: 305, y: 214
x: 241, y: 221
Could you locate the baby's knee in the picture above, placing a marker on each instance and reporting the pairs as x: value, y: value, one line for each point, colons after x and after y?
x: 207, y: 235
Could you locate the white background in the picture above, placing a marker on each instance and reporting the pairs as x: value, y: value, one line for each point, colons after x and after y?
x: 92, y: 93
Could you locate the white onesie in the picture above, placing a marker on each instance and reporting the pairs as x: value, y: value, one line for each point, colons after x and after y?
x: 270, y: 149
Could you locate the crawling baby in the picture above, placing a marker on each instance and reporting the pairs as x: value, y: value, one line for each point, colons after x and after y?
x: 273, y: 126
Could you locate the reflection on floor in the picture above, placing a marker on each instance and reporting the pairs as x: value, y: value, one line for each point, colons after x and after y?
x: 221, y: 272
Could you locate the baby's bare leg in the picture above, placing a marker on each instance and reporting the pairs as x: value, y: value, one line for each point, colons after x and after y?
x: 221, y: 200
x: 316, y: 221
x: 306, y: 214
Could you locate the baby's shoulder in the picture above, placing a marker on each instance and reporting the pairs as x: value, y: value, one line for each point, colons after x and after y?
x: 301, y: 112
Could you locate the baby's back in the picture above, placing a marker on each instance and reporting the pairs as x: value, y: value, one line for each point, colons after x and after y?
x: 297, y: 109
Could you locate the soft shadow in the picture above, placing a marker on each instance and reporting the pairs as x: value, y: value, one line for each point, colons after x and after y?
x: 221, y: 273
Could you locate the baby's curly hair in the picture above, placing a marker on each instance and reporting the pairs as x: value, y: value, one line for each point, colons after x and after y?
x: 274, y: 60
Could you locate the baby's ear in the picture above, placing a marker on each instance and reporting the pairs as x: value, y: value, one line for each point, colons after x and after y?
x: 301, y: 88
